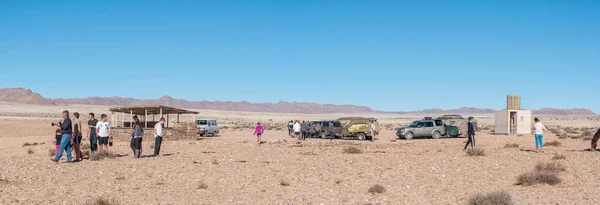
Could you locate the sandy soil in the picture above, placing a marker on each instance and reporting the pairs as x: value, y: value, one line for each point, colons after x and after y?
x: 238, y: 171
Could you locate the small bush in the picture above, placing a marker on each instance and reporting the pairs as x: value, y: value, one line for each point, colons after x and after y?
x: 494, y: 198
x: 587, y: 138
x: 563, y: 136
x: 202, y: 185
x: 533, y: 178
x: 377, y: 189
x: 352, y: 150
x: 475, y: 152
x: 554, y: 143
x: 29, y: 151
x: 553, y: 167
x: 51, y: 152
x: 559, y: 157
x: 576, y: 137
x: 101, y: 201
x: 214, y: 162
x: 85, y: 146
x: 284, y: 183
x: 586, y: 134
x: 26, y: 144
x: 570, y: 130
x: 99, y: 155
x: 513, y: 145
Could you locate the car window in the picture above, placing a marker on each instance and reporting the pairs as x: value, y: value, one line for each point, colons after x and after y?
x: 201, y: 122
x: 337, y: 124
x: 428, y: 124
x: 438, y: 123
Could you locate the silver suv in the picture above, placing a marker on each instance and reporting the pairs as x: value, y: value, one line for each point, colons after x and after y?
x: 422, y: 128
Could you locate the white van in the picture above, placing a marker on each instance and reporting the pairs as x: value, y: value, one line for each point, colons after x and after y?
x: 207, y: 127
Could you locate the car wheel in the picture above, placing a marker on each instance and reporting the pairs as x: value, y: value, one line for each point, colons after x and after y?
x: 409, y: 136
x: 361, y: 136
x: 436, y: 135
x: 323, y: 135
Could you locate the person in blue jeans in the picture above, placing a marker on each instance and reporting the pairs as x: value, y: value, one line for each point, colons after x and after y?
x: 65, y: 142
x: 538, y: 129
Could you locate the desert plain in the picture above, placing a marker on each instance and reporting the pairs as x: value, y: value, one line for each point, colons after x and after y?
x: 233, y: 169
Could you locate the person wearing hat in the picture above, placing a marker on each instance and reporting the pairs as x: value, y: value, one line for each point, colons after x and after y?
x: 470, y: 134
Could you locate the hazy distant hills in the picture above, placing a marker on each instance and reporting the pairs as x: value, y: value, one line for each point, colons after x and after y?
x: 22, y: 95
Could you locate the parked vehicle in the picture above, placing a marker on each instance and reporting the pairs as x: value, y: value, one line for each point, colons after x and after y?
x: 456, y: 125
x: 324, y: 128
x: 422, y: 128
x: 358, y: 127
x: 207, y: 127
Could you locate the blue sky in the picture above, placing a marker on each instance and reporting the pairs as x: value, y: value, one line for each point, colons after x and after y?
x: 389, y: 55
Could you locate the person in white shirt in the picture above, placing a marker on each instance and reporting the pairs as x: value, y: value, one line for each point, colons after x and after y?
x: 297, y: 130
x: 373, y: 130
x: 538, y: 128
x: 158, y: 136
x: 103, y: 132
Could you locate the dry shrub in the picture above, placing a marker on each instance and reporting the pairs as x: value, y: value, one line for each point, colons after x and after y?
x: 559, y: 157
x: 29, y: 151
x: 101, y: 201
x: 26, y: 144
x: 279, y: 129
x: 576, y: 137
x: 85, y: 146
x: 586, y: 134
x: 214, y: 162
x: 475, y: 152
x: 553, y: 167
x: 554, y: 143
x: 513, y: 145
x: 352, y: 150
x: 533, y: 178
x: 202, y: 185
x: 377, y: 189
x: 563, y: 136
x: 284, y: 183
x: 51, y: 152
x: 571, y: 130
x: 494, y: 198
x: 99, y: 155
x: 587, y: 138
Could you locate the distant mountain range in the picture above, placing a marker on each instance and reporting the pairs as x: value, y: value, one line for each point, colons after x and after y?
x: 22, y: 95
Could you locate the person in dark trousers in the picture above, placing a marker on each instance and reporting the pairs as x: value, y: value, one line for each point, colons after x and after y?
x: 92, y: 132
x: 595, y: 140
x: 137, y: 138
x: 331, y: 129
x: 132, y: 143
x: 158, y: 136
x: 66, y: 129
x: 470, y: 134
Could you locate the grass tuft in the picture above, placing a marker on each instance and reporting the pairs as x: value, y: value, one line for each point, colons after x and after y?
x: 284, y: 183
x: 474, y: 152
x: 533, y: 178
x: 554, y: 143
x: 352, y: 150
x: 553, y: 167
x: 101, y: 201
x: 51, y: 152
x: 513, y: 145
x: 559, y: 157
x: 494, y: 198
x: 99, y: 155
x: 202, y: 185
x: 377, y: 189
x: 29, y: 151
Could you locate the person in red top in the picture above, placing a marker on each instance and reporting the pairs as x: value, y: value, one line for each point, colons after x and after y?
x: 258, y: 132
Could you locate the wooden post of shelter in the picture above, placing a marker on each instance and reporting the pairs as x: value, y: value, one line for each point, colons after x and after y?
x: 167, y: 119
x: 146, y: 121
x: 177, y: 117
x: 131, y: 116
x: 123, y: 119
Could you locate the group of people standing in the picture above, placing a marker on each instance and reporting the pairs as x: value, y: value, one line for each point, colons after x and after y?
x: 69, y: 136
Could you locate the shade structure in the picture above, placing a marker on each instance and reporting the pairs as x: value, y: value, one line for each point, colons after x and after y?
x: 152, y: 110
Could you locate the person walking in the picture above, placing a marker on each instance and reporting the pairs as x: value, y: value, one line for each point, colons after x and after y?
x: 103, y: 132
x: 538, y: 129
x: 66, y: 129
x: 77, y: 137
x: 91, y: 133
x: 297, y: 131
x: 470, y: 134
x: 158, y: 136
x: 372, y: 130
x: 137, y: 138
x: 258, y: 131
